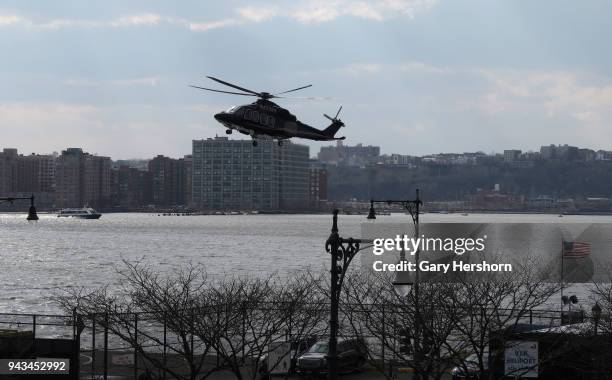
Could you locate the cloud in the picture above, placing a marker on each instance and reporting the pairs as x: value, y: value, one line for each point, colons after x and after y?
x: 377, y: 10
x: 568, y: 106
x: 361, y: 68
x: 415, y: 66
x: 408, y: 7
x: 114, y: 131
x: 137, y: 20
x: 6, y: 20
x: 394, y: 68
x: 244, y: 15
x: 315, y: 13
x: 206, y: 26
x: 132, y: 21
x: 146, y: 81
x: 409, y: 129
x: 26, y: 113
x: 305, y: 12
x: 62, y: 23
x: 557, y: 92
x: 257, y: 14
x: 148, y: 19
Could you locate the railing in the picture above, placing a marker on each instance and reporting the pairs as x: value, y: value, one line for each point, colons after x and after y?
x: 104, y: 352
x: 39, y: 325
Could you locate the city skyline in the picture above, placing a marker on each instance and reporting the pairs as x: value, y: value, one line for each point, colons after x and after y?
x: 223, y: 174
x: 314, y: 153
x: 113, y: 77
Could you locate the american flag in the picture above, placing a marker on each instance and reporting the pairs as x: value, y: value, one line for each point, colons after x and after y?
x: 576, y: 250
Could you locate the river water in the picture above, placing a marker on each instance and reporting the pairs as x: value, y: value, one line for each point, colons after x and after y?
x: 41, y: 259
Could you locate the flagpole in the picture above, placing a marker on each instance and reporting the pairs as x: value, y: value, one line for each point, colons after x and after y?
x: 562, y: 279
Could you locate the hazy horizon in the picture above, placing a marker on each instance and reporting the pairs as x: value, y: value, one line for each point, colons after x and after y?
x: 313, y: 154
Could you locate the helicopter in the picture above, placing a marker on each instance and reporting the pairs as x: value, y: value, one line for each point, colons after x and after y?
x: 266, y: 118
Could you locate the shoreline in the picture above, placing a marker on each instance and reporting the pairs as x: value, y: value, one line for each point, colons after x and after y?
x: 244, y: 213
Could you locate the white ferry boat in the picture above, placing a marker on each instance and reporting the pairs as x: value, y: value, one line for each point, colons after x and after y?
x: 83, y: 213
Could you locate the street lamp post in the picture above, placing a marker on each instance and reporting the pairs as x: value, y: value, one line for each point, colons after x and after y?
x: 403, y: 288
x: 31, y: 212
x: 342, y: 252
x: 413, y: 207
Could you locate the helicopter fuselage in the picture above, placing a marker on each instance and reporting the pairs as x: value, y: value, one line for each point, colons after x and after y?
x: 264, y: 117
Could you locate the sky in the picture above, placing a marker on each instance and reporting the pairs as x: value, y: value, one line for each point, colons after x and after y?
x: 413, y: 76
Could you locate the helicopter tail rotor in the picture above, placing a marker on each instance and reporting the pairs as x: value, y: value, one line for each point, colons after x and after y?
x: 335, y: 119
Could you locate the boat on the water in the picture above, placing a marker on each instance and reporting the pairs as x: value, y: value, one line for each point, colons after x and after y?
x: 82, y: 213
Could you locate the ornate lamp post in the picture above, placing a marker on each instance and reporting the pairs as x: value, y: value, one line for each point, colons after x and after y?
x: 342, y: 252
x: 31, y: 212
x: 403, y: 287
x: 413, y: 208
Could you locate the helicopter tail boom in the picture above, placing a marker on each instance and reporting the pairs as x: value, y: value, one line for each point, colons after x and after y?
x: 332, y: 129
x: 335, y: 125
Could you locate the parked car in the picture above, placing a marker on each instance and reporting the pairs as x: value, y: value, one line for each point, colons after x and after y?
x: 298, y: 348
x: 470, y: 368
x: 352, y: 355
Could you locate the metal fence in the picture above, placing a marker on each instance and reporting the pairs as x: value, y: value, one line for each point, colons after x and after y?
x: 144, y: 341
x: 38, y: 325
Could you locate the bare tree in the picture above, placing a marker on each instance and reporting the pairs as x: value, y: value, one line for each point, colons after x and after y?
x: 600, y: 293
x: 308, y: 313
x: 374, y: 310
x: 449, y: 320
x: 243, y: 323
x: 203, y: 326
x: 494, y: 303
x: 251, y: 314
x: 146, y: 305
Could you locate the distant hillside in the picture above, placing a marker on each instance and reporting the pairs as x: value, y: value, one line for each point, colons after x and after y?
x: 438, y: 182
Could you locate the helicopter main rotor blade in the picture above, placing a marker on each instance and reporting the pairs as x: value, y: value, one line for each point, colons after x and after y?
x: 295, y: 89
x: 327, y: 116
x: 304, y: 97
x: 225, y: 92
x: 234, y: 86
x: 338, y: 113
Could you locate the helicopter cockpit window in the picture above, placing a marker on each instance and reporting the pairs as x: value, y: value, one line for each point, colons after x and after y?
x: 232, y: 109
x: 251, y: 115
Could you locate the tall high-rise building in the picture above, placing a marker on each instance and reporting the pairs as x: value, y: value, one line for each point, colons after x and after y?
x: 318, y: 183
x: 24, y: 175
x: 294, y: 175
x: 8, y: 163
x: 167, y: 181
x: 235, y: 175
x: 188, y: 164
x: 46, y: 173
x: 82, y: 179
x: 97, y: 181
x: 68, y: 178
x: 131, y: 187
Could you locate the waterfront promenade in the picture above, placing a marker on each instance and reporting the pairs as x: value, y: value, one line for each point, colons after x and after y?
x: 126, y: 371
